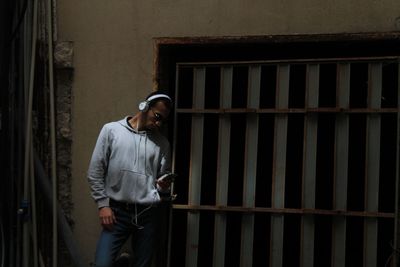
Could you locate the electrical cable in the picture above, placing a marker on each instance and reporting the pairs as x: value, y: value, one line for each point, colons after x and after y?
x: 28, y: 129
x: 34, y: 213
x: 396, y: 245
x: 3, y: 253
x: 52, y: 131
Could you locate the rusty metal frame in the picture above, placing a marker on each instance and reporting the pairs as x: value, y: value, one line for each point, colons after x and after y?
x: 277, y: 210
x: 286, y: 110
x: 346, y: 213
x: 274, y: 39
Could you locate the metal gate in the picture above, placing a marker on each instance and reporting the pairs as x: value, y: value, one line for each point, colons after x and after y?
x: 286, y: 163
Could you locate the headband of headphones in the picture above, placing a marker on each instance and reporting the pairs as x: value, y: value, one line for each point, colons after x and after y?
x: 158, y: 96
x: 144, y: 105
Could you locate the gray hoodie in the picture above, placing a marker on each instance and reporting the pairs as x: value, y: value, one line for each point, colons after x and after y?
x: 125, y: 164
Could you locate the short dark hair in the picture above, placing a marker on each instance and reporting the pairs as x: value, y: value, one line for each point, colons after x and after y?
x: 167, y: 100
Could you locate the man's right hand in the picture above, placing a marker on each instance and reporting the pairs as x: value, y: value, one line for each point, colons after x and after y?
x: 107, y: 218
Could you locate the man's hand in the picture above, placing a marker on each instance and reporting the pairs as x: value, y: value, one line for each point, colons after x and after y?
x: 164, y: 183
x: 107, y: 218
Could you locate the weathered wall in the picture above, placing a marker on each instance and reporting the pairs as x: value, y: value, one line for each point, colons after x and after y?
x: 113, y: 56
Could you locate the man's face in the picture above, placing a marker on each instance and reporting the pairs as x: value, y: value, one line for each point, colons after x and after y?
x: 156, y: 116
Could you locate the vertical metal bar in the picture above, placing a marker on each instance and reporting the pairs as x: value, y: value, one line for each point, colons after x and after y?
x: 196, y: 159
x: 396, y: 236
x: 372, y: 164
x: 250, y: 166
x: 175, y: 133
x: 279, y: 166
x: 309, y: 166
x: 224, y: 136
x: 341, y: 166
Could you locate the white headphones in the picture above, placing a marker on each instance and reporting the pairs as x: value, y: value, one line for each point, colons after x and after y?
x: 144, y: 105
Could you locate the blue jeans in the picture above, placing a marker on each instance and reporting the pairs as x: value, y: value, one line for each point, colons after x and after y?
x: 143, y: 229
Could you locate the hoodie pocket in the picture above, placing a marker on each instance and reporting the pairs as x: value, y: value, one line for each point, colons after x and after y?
x: 129, y: 184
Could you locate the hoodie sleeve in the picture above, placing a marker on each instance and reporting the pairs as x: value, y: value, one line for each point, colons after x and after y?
x: 98, y: 168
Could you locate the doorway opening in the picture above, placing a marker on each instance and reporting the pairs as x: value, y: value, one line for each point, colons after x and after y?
x: 286, y: 149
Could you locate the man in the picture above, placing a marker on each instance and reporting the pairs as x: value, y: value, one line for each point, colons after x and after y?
x: 129, y: 156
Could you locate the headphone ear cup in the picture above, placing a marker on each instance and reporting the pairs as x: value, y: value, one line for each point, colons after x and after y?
x: 143, y: 106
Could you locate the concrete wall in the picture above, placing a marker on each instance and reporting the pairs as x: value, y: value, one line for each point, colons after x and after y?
x: 114, y: 53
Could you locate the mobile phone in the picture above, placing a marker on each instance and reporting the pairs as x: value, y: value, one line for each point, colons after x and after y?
x: 168, y: 177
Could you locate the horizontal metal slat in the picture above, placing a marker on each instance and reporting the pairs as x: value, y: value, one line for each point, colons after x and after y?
x: 287, y: 110
x: 283, y: 211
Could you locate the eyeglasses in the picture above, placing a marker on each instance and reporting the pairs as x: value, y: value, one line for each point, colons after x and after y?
x: 158, y: 116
